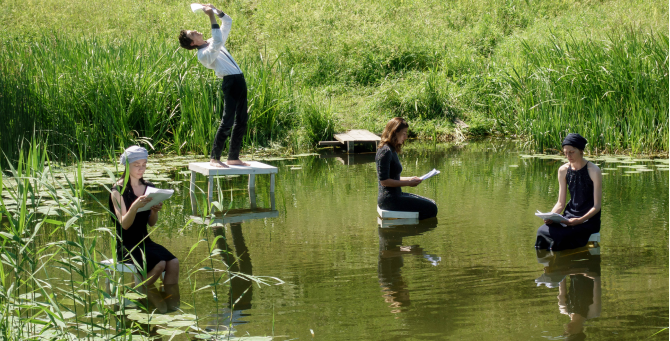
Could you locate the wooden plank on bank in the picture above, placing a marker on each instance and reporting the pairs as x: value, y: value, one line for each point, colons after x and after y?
x: 357, y: 135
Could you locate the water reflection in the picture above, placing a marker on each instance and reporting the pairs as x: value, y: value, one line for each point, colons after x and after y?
x: 163, y: 300
x: 241, y: 289
x: 391, y: 252
x: 576, y: 274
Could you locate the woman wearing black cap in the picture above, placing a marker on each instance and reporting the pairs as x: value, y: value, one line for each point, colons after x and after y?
x: 584, y: 181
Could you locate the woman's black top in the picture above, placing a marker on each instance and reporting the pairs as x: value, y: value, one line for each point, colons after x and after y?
x: 136, y: 238
x: 138, y: 230
x: 388, y: 167
x: 581, y: 190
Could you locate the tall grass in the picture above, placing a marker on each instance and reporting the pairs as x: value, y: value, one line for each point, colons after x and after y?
x: 89, y: 95
x: 614, y: 92
x: 516, y: 68
x: 52, y: 281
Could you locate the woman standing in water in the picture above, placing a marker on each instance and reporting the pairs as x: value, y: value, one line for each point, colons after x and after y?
x: 584, y: 181
x: 389, y: 168
x: 133, y: 244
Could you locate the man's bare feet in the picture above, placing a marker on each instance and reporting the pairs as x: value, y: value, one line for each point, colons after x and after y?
x: 236, y: 163
x: 217, y: 163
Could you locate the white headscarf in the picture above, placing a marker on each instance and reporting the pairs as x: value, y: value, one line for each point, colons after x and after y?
x: 132, y: 154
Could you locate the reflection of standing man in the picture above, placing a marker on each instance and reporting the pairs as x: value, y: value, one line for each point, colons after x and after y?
x: 214, y: 55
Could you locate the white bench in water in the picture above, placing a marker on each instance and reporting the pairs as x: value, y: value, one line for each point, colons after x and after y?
x: 122, y: 268
x: 595, y: 238
x: 386, y: 214
x: 210, y: 172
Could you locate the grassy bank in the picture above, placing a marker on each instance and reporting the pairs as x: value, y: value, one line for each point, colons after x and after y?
x: 113, y: 75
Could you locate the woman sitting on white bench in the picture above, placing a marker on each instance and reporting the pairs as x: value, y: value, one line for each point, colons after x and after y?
x: 133, y: 244
x: 584, y: 181
x: 389, y: 168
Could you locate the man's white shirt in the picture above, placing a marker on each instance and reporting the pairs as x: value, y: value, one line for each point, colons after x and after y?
x: 214, y: 55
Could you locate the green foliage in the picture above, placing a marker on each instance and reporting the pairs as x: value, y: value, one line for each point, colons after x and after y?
x: 614, y: 92
x: 100, y: 81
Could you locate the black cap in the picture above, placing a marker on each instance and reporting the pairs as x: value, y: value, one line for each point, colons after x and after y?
x: 575, y: 140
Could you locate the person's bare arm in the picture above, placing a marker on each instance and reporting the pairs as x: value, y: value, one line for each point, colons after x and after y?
x: 127, y: 217
x: 562, y: 192
x: 404, y: 181
x: 153, y: 218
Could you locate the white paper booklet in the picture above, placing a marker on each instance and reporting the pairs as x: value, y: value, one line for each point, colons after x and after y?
x: 555, y: 217
x: 195, y: 7
x: 157, y: 196
x: 430, y: 174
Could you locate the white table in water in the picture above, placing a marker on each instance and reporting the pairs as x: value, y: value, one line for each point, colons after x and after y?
x: 210, y: 171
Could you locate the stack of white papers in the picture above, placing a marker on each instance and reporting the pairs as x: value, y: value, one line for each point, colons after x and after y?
x: 198, y: 7
x: 555, y: 217
x: 157, y: 196
x: 430, y: 174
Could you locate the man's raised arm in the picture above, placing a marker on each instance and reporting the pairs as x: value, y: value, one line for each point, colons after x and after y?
x: 211, y: 52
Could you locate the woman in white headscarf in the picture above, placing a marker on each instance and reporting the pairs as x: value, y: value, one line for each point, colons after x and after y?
x: 134, y: 246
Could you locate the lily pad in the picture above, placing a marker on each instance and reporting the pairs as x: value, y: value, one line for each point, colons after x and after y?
x: 134, y: 296
x: 513, y: 166
x: 188, y: 317
x: 170, y: 331
x: 181, y: 323
x: 632, y: 172
x: 31, y: 296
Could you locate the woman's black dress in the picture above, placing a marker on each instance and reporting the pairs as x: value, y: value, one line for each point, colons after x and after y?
x: 135, y: 234
x: 557, y: 237
x: 392, y: 198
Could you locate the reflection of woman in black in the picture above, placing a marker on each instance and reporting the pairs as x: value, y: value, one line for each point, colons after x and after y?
x: 579, y: 290
x: 391, y: 252
x: 389, y: 168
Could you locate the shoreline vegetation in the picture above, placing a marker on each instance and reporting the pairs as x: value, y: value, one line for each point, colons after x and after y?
x: 95, y: 77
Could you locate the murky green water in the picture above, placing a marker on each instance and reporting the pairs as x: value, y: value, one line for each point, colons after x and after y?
x: 468, y: 275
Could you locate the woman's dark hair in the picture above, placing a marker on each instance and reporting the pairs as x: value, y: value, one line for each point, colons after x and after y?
x: 389, y: 138
x: 185, y: 41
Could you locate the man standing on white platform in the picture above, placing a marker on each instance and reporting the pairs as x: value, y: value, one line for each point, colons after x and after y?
x: 213, y: 55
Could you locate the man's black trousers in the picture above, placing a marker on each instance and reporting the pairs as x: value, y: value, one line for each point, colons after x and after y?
x: 235, y: 116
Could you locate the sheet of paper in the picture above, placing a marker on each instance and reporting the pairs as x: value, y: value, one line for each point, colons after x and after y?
x: 157, y: 196
x: 196, y: 7
x: 555, y: 217
x: 200, y: 8
x: 430, y: 174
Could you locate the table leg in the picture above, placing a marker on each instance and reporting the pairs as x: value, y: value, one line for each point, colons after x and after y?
x: 350, y: 146
x: 252, y: 198
x: 252, y: 181
x: 272, y: 183
x: 194, y: 202
x: 210, y: 191
x: 272, y: 201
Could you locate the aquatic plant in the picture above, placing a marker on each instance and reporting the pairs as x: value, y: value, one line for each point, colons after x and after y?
x: 56, y: 289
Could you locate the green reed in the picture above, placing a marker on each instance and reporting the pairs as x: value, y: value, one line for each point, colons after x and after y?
x: 614, y: 92
x: 52, y: 282
x: 89, y: 94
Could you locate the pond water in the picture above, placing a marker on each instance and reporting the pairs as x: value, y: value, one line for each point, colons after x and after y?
x: 470, y: 274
